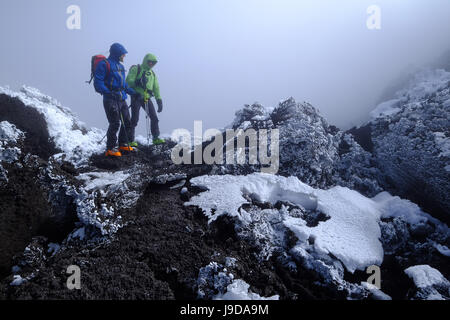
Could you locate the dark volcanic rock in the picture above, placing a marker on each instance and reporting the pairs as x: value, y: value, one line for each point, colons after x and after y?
x: 26, y: 207
x: 156, y: 256
x: 29, y: 120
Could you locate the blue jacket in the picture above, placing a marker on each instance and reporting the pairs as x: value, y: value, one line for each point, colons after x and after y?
x: 115, y: 81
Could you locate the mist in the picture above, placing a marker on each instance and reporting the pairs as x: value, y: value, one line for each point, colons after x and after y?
x: 215, y: 56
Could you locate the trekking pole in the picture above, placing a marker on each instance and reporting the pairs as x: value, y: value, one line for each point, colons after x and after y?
x: 102, y: 139
x: 125, y: 130
x: 147, y: 122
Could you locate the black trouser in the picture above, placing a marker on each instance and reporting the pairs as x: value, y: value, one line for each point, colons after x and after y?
x: 136, y: 105
x: 113, y: 109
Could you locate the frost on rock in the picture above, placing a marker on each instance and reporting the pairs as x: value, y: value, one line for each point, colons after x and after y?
x: 102, y: 217
x: 165, y: 178
x: 430, y: 283
x: 444, y: 250
x: 18, y: 280
x: 239, y: 290
x: 386, y: 108
x: 100, y: 180
x: 357, y: 168
x: 311, y: 149
x: 217, y: 283
x: 212, y: 280
x: 70, y: 135
x: 97, y: 198
x: 412, y: 145
x: 250, y: 115
x: 9, y: 137
x: 421, y: 86
x: 377, y: 293
x: 3, y: 175
x: 9, y: 133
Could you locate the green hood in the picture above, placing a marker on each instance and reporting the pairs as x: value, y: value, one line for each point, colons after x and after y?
x: 151, y: 86
x: 147, y: 58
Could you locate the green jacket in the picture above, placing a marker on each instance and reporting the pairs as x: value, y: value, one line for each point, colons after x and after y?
x: 151, y: 86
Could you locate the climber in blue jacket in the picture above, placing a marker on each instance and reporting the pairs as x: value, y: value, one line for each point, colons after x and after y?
x: 110, y: 81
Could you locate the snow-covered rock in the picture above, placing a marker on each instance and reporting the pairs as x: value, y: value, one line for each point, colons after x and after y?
x: 311, y: 149
x: 412, y: 142
x: 71, y: 136
x: 308, y: 145
x: 217, y: 283
x: 348, y: 234
x: 239, y: 290
x: 377, y: 293
x: 351, y: 234
x: 431, y: 284
x: 9, y: 137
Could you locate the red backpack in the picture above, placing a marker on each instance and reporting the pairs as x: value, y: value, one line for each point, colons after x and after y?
x: 94, y: 63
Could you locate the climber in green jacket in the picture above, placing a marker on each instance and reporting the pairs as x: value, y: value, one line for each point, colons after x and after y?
x: 143, y: 80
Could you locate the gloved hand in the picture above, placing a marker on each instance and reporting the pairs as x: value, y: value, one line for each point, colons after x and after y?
x: 142, y: 82
x: 160, y: 105
x: 131, y: 91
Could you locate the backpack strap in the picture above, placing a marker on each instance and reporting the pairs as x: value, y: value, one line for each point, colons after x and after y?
x: 108, y: 67
x: 138, y: 66
x: 108, y: 72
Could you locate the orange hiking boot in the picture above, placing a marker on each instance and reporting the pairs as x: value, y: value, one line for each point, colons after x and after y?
x: 113, y: 153
x: 126, y: 148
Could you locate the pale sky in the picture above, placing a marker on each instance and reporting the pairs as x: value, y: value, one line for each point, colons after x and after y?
x: 216, y: 55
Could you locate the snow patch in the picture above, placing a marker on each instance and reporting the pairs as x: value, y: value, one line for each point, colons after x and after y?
x: 239, y: 290
x: 18, y: 280
x: 444, y: 250
x: 70, y: 135
x: 386, y: 108
x: 430, y: 283
x: 393, y: 206
x: 100, y: 180
x: 425, y: 276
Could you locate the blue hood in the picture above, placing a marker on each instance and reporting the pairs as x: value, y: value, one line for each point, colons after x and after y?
x: 116, y: 51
